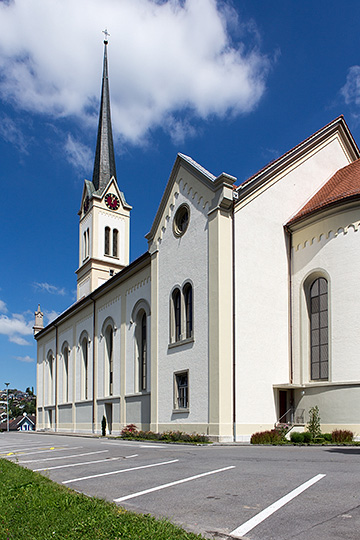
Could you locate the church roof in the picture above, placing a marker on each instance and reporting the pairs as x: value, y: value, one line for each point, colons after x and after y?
x: 344, y: 185
x: 104, y: 166
x: 336, y: 128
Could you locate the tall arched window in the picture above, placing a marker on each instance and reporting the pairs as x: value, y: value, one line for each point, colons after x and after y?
x: 142, y: 347
x: 65, y: 355
x: 50, y: 359
x: 84, y: 388
x: 319, y: 328
x: 115, y: 243
x: 177, y: 314
x: 109, y: 355
x: 107, y: 240
x: 188, y: 300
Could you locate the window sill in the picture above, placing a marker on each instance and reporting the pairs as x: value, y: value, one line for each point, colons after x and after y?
x: 82, y: 401
x: 111, y: 256
x: 177, y: 411
x: 181, y: 342
x: 138, y: 394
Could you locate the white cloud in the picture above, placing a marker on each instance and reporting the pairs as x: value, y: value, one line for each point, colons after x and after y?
x: 12, y: 133
x: 79, y: 155
x: 52, y: 289
x: 50, y: 316
x: 3, y: 308
x: 166, y: 57
x: 15, y: 327
x: 26, y: 359
x: 351, y: 89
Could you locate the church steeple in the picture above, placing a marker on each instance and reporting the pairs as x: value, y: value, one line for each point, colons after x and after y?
x: 104, y: 166
x: 104, y: 228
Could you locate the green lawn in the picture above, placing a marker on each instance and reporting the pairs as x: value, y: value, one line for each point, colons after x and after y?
x: 33, y: 507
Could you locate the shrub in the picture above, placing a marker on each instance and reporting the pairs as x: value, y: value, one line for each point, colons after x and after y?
x: 296, y: 437
x: 327, y: 437
x: 314, y: 422
x: 129, y: 431
x: 103, y: 426
x: 266, y: 437
x: 307, y: 437
x: 342, y: 436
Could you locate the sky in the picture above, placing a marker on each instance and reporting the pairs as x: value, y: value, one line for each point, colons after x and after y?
x: 234, y: 84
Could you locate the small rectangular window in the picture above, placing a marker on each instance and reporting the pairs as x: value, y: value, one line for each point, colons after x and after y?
x: 181, y: 400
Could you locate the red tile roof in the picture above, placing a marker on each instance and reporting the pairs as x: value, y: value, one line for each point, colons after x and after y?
x: 343, y: 186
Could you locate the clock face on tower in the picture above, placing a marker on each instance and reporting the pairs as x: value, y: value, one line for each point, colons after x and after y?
x: 112, y: 201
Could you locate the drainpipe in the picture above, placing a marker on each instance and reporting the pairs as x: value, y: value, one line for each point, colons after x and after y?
x: 234, y: 320
x: 56, y: 377
x: 288, y: 233
x: 93, y: 385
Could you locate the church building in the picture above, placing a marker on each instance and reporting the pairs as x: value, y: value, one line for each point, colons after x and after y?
x: 255, y: 326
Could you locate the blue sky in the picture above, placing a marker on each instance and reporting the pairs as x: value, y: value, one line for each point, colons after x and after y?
x: 234, y: 84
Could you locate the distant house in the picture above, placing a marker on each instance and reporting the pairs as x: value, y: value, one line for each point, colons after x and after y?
x: 25, y: 422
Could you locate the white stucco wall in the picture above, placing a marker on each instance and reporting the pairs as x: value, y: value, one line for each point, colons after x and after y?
x: 182, y: 260
x: 114, y: 221
x: 138, y: 296
x: 262, y: 282
x: 329, y: 247
x: 108, y: 309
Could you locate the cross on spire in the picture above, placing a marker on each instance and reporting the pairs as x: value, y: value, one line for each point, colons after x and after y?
x: 106, y: 34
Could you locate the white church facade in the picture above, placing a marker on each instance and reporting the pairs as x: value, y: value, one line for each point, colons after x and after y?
x: 241, y: 314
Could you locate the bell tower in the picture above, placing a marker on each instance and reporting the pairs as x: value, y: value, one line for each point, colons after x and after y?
x: 104, y: 227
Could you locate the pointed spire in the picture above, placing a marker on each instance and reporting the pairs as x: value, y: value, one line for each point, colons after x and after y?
x: 104, y: 166
x: 39, y: 320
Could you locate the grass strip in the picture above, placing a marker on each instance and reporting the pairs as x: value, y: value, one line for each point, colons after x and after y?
x: 35, y: 508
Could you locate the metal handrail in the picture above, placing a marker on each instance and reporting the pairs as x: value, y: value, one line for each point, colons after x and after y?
x: 291, y: 410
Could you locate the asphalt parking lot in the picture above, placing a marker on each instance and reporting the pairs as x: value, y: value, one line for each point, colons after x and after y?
x: 252, y: 492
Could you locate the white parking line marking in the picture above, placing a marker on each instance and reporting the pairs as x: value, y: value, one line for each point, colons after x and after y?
x: 136, y: 445
x: 133, y: 455
x: 163, y: 486
x: 76, y: 464
x: 254, y: 521
x: 121, y: 471
x: 52, y: 449
x: 62, y: 457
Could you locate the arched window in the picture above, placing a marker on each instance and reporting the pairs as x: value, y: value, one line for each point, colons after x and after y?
x: 107, y: 240
x: 84, y: 246
x: 142, y: 347
x: 84, y: 387
x: 50, y: 359
x: 177, y: 314
x: 188, y: 300
x: 319, y: 328
x: 115, y: 243
x: 109, y: 358
x: 65, y: 355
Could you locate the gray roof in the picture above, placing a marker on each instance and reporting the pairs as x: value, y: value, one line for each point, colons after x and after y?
x: 104, y: 166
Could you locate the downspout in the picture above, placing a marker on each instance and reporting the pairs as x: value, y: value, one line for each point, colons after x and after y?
x: 234, y: 320
x: 288, y: 232
x: 290, y: 306
x: 56, y: 377
x: 93, y: 385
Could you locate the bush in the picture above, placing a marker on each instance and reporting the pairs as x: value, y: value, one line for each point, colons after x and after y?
x: 314, y: 422
x: 296, y: 437
x: 342, y: 436
x: 267, y: 437
x: 327, y: 437
x: 129, y: 431
x: 103, y: 426
x: 307, y: 437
